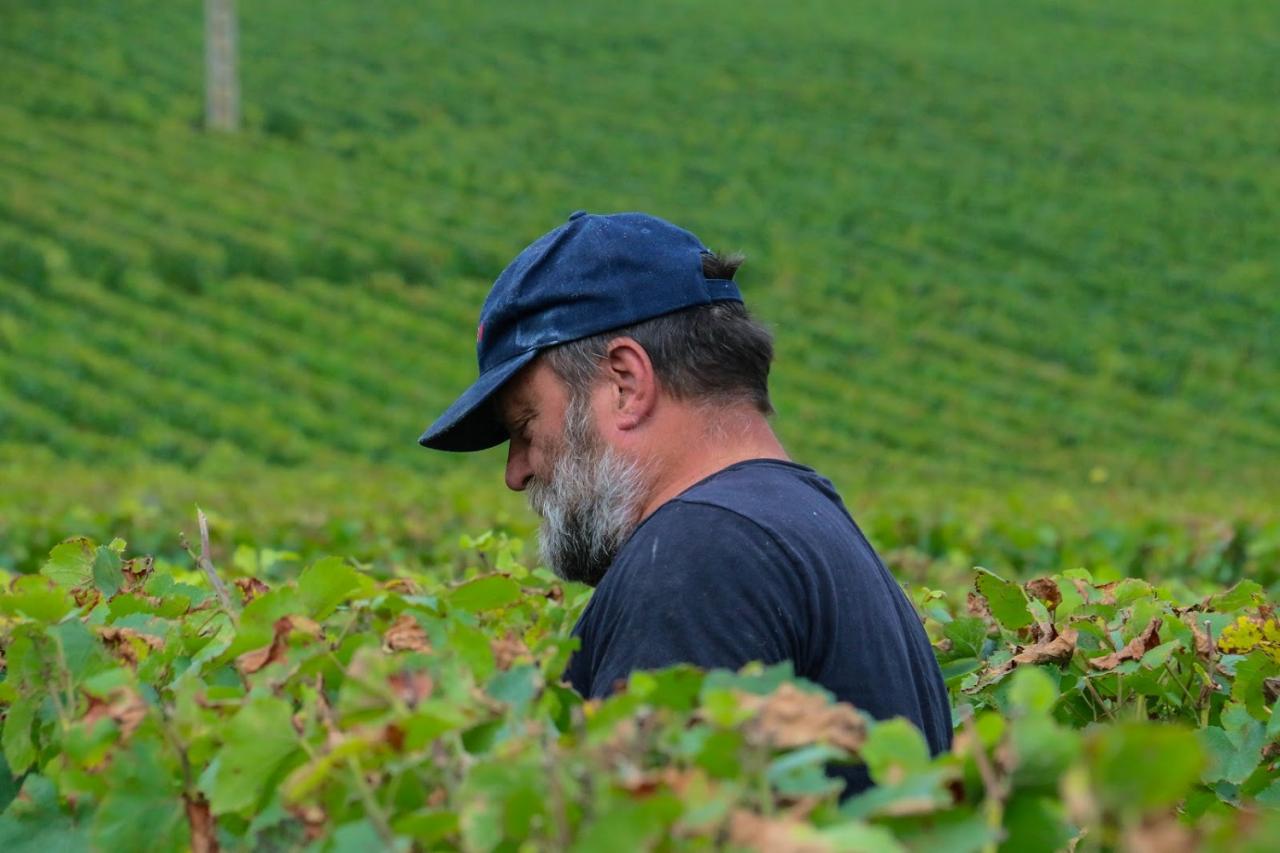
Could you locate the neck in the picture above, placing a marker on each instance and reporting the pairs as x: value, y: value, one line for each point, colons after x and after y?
x: 737, y: 437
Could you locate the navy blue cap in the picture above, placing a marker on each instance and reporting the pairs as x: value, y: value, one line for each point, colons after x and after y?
x: 592, y: 274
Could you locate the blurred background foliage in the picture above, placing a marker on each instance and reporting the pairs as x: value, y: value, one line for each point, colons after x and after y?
x: 1020, y: 259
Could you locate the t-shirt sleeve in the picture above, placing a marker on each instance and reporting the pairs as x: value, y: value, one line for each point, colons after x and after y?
x: 698, y: 584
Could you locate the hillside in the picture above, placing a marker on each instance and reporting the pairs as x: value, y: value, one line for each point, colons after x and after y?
x: 1033, y: 248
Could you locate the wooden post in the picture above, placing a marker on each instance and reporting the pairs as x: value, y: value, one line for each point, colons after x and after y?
x: 222, y: 88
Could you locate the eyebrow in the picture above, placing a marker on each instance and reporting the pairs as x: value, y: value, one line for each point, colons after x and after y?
x: 522, y: 409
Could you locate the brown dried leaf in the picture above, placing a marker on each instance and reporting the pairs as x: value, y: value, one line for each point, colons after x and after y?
x: 507, y: 650
x: 411, y: 687
x: 312, y: 817
x: 136, y: 571
x: 1134, y: 649
x: 1059, y: 649
x: 1204, y: 647
x: 251, y: 588
x: 777, y: 835
x: 125, y: 643
x: 405, y: 634
x: 124, y: 705
x: 645, y: 783
x: 977, y: 606
x: 204, y: 838
x: 1163, y: 834
x: 1045, y: 589
x: 1101, y: 594
x: 251, y: 662
x: 789, y: 717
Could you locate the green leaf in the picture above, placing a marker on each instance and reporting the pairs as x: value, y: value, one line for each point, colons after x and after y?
x: 256, y: 742
x: 70, y: 564
x: 954, y: 832
x: 326, y: 584
x: 1269, y: 796
x: 676, y: 688
x: 802, y: 772
x: 258, y: 618
x: 968, y: 635
x: 1032, y: 690
x: 1235, y: 750
x: 760, y: 680
x: 143, y: 808
x: 1139, y: 766
x: 19, y: 748
x: 80, y: 650
x: 429, y: 720
x: 1130, y: 590
x: 1247, y: 689
x: 485, y: 593
x: 954, y: 670
x: 36, y: 823
x: 1072, y: 600
x: 859, y: 836
x: 428, y: 826
x: 627, y: 825
x: 357, y: 837
x: 1005, y: 599
x: 1244, y: 594
x: 38, y: 597
x: 1043, y: 751
x: 1035, y: 823
x: 516, y: 687
x: 1156, y: 658
x: 472, y: 647
x: 10, y: 783
x: 922, y: 791
x: 894, y: 750
x: 107, y: 576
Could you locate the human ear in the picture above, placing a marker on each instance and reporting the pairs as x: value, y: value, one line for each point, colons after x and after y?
x: 632, y: 383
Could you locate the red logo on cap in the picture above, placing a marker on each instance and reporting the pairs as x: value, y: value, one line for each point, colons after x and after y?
x: 479, y: 332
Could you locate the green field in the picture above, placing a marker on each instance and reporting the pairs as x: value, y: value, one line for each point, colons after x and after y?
x: 999, y: 247
x: 1021, y: 264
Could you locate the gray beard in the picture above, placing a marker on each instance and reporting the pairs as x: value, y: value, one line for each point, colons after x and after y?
x: 590, y: 506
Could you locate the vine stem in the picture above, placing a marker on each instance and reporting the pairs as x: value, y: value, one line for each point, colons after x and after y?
x: 373, y: 810
x: 1185, y: 692
x: 1213, y: 683
x: 993, y: 802
x: 205, y: 564
x: 64, y: 675
x: 1093, y: 691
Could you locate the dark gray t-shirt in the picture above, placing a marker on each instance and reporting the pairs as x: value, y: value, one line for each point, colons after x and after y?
x: 761, y: 561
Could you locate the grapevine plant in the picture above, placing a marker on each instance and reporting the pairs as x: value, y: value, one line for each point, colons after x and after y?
x: 158, y: 705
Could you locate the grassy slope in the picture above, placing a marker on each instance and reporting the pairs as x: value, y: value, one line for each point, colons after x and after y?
x: 1019, y: 248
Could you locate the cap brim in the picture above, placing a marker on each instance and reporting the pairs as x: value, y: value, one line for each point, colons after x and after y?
x: 470, y: 423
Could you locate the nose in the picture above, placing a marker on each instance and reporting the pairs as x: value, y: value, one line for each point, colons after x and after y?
x: 519, y: 471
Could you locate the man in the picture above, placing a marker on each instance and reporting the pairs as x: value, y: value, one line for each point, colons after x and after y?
x: 617, y: 357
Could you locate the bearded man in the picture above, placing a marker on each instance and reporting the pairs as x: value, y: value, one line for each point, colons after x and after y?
x: 618, y: 359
